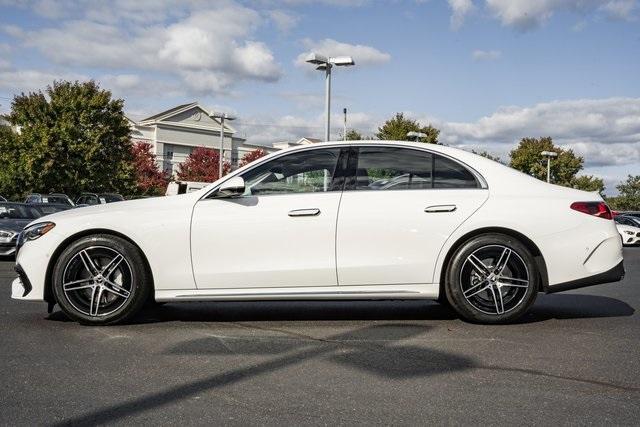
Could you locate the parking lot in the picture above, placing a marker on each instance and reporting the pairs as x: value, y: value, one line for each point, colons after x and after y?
x: 575, y: 359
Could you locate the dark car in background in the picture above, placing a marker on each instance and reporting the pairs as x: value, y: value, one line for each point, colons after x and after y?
x: 55, y: 198
x: 15, y: 216
x: 90, y: 199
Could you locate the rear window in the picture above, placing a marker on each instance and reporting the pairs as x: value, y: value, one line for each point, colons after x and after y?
x: 397, y: 168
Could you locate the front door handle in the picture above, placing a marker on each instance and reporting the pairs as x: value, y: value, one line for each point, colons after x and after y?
x: 305, y: 212
x: 440, y: 208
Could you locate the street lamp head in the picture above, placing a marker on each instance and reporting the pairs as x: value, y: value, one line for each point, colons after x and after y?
x: 549, y: 154
x: 413, y: 134
x: 219, y: 115
x: 315, y: 58
x: 342, y: 61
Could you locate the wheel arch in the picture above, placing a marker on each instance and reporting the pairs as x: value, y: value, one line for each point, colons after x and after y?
x: 537, y: 254
x: 48, y: 292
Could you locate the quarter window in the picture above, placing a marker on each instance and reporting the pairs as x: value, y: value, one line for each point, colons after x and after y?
x: 450, y: 174
x: 308, y: 171
x: 395, y: 168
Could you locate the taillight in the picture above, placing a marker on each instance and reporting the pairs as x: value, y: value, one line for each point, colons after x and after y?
x: 599, y: 209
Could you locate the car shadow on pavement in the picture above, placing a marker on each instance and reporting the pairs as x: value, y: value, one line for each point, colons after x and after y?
x: 576, y: 306
x: 556, y: 306
x: 395, y: 357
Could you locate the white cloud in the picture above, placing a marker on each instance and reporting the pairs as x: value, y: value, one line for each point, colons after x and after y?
x: 621, y: 9
x: 459, y: 11
x: 362, y: 55
x: 283, y: 20
x: 528, y: 14
x: 214, y: 46
x: 31, y: 80
x: 605, y: 131
x: 486, y: 55
x: 268, y: 129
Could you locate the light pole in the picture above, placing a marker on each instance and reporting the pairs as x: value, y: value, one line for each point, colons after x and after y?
x: 416, y: 135
x: 222, y: 117
x: 344, y: 132
x: 326, y: 64
x: 549, y: 155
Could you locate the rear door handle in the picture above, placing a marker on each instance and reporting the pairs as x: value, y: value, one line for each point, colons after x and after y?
x: 440, y: 208
x: 305, y: 212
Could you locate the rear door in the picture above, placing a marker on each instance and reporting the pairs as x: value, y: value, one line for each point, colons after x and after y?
x: 399, y: 207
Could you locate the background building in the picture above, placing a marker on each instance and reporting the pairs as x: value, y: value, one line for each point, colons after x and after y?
x: 176, y: 132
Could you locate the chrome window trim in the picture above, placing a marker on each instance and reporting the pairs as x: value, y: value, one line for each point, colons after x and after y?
x: 476, y: 174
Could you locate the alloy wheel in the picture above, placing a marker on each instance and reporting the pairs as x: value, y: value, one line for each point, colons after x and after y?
x: 494, y: 279
x: 97, y: 281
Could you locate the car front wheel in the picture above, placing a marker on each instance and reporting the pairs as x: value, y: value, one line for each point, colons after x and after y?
x: 492, y: 278
x: 101, y: 280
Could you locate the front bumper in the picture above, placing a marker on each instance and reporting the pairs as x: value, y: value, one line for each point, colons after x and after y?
x: 615, y: 274
x: 21, y: 286
x: 6, y: 250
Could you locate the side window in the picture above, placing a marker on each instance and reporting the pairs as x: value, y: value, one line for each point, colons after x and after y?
x: 450, y: 174
x: 391, y: 168
x: 92, y: 200
x: 303, y: 172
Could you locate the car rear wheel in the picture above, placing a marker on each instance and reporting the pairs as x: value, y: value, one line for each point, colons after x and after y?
x: 101, y: 280
x: 492, y: 278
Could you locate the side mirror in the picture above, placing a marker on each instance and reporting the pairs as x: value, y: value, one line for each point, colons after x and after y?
x: 233, y: 187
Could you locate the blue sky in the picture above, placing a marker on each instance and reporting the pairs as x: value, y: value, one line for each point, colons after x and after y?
x: 485, y: 72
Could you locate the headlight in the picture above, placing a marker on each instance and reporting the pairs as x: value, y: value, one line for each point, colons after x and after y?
x: 6, y: 235
x: 37, y: 230
x: 628, y: 232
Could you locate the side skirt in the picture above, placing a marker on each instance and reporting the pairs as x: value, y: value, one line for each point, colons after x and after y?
x: 420, y: 291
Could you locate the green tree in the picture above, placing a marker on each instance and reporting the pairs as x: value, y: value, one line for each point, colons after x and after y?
x: 526, y: 158
x: 397, y: 127
x: 354, y: 135
x: 72, y: 137
x: 629, y: 197
x: 588, y: 183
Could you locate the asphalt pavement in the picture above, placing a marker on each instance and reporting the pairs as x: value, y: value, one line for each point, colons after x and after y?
x: 575, y: 359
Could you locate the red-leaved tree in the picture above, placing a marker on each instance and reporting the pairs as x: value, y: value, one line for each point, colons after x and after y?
x: 252, y: 156
x: 202, y: 166
x: 150, y: 180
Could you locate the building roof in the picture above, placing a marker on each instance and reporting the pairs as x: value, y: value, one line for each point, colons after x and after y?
x: 164, y: 116
x: 169, y: 112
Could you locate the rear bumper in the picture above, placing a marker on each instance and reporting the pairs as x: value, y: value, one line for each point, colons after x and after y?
x: 615, y: 274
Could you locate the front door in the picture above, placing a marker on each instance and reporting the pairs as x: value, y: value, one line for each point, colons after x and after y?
x: 397, y: 211
x: 280, y: 233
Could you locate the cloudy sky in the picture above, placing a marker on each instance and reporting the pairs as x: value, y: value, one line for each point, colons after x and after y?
x: 487, y: 73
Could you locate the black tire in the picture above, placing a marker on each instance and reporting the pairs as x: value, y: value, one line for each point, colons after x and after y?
x: 477, y: 293
x: 99, y: 296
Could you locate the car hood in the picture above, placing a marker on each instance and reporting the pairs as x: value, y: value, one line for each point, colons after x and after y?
x: 623, y: 227
x: 89, y: 212
x: 16, y: 225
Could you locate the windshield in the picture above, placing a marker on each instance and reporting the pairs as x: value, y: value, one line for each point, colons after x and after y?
x: 110, y: 198
x: 17, y: 211
x: 57, y: 199
x: 47, y: 209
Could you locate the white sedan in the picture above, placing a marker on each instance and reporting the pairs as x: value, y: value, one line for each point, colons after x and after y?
x: 629, y: 234
x: 315, y: 222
